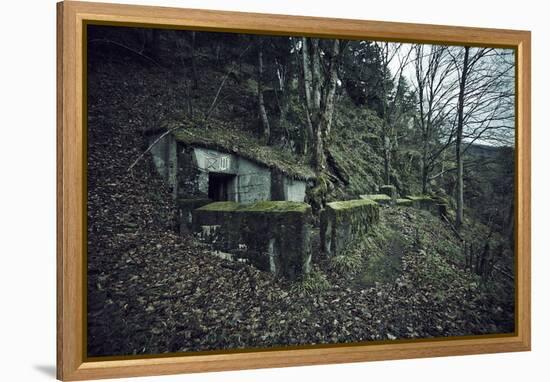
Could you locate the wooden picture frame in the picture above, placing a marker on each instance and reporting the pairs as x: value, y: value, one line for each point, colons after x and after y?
x: 72, y: 363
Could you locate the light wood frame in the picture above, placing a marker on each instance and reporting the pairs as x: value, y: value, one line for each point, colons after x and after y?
x: 72, y: 363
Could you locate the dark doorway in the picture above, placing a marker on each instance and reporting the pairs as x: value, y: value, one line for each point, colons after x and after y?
x: 218, y: 186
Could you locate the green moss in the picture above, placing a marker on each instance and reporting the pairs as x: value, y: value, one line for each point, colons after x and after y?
x: 220, y: 206
x: 347, y: 204
x: 275, y: 206
x: 376, y: 197
x: 262, y: 206
x: 419, y: 198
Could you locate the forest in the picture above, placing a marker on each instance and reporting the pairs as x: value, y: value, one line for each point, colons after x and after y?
x: 427, y: 119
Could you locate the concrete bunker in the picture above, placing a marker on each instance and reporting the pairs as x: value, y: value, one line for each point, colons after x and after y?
x: 197, y: 170
x: 274, y: 236
x: 201, y: 171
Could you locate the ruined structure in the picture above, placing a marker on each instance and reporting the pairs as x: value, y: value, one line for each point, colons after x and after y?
x: 198, y: 170
x: 274, y: 236
x: 247, y: 201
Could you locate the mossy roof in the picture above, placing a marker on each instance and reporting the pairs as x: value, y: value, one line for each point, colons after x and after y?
x: 243, y: 144
x: 345, y: 204
x: 262, y: 206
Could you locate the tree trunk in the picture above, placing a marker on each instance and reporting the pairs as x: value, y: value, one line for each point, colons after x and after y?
x: 261, y: 104
x: 193, y: 62
x: 459, y: 133
x: 319, y: 90
x: 387, y: 157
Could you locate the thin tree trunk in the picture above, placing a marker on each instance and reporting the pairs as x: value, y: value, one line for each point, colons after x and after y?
x: 459, y: 134
x: 387, y: 156
x: 308, y: 84
x: 261, y: 104
x: 193, y: 62
x: 328, y: 104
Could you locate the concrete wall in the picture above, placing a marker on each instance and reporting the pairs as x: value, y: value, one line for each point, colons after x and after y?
x: 294, y: 190
x: 207, y: 161
x: 344, y: 222
x: 191, y: 181
x: 436, y: 205
x: 271, y: 235
x: 254, y: 182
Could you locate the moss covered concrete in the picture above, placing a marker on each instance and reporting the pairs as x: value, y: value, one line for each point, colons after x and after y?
x: 272, y: 235
x: 404, y: 202
x: 350, y: 204
x: 261, y: 206
x: 436, y: 205
x: 378, y: 198
x: 344, y: 222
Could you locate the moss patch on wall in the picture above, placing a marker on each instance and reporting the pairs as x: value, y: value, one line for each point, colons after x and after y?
x: 272, y: 235
x: 261, y: 206
x: 378, y: 198
x: 404, y: 202
x: 419, y: 198
x: 436, y: 205
x: 344, y: 222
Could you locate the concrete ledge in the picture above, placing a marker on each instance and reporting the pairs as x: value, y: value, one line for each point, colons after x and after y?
x: 344, y: 222
x: 378, y: 198
x: 404, y: 202
x: 424, y: 202
x: 271, y: 235
x: 435, y: 205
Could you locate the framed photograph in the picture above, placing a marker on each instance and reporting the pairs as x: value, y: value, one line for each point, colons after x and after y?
x: 242, y: 190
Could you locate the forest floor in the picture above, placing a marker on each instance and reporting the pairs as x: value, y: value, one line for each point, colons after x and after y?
x: 151, y: 290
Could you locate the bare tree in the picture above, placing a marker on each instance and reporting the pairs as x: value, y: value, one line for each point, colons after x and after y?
x: 391, y: 54
x: 320, y: 71
x: 266, y: 130
x: 435, y: 83
x: 485, y: 106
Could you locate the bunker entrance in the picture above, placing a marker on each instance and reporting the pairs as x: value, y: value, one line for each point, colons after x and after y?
x: 219, y: 186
